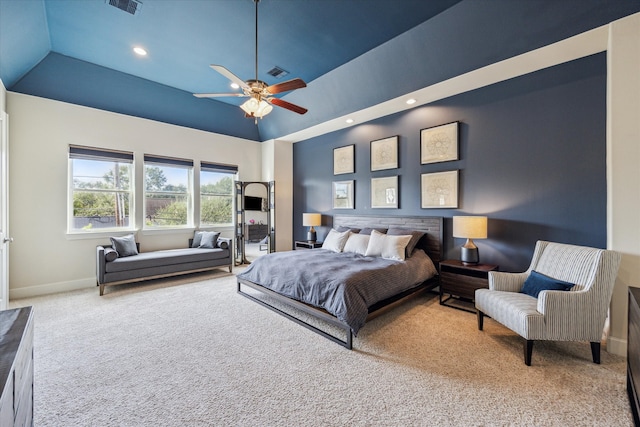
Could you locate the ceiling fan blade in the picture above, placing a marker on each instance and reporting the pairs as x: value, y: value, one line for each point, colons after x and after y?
x: 228, y: 74
x: 289, y: 106
x: 217, y: 95
x: 285, y: 86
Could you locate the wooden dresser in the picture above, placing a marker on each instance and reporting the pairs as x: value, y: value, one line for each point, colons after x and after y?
x: 16, y: 367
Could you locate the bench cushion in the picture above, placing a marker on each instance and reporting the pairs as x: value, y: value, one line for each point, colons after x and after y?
x: 166, y: 257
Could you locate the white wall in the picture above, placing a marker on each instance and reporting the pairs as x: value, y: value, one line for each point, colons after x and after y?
x: 277, y: 165
x: 623, y: 167
x: 44, y: 259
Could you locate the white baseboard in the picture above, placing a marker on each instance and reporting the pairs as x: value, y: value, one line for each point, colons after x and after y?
x: 617, y: 346
x: 51, y: 288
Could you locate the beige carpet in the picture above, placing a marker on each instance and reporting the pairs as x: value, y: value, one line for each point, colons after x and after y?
x: 192, y: 352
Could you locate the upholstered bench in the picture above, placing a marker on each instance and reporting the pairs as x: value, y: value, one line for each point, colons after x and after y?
x: 115, y: 270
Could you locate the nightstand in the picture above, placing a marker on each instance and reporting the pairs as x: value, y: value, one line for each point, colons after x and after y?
x: 306, y: 245
x: 460, y: 281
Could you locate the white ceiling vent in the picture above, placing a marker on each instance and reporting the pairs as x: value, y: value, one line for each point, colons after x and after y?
x: 277, y: 72
x: 129, y: 6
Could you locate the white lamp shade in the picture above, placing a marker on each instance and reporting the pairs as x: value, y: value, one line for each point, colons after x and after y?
x: 256, y: 108
x: 470, y: 227
x: 311, y: 219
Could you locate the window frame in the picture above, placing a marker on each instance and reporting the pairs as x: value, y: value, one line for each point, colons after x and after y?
x: 161, y: 161
x: 77, y: 152
x: 232, y: 172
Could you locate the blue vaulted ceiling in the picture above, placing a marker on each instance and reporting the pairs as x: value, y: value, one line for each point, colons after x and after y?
x: 352, y: 53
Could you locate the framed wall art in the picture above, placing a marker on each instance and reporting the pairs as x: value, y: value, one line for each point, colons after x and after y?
x: 384, y: 153
x: 439, y: 190
x: 384, y: 192
x: 439, y: 143
x: 343, y: 195
x: 343, y: 160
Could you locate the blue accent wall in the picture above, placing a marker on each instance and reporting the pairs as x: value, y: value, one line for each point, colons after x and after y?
x: 532, y: 157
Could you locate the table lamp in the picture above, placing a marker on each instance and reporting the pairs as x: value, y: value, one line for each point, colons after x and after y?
x: 470, y: 227
x: 311, y: 220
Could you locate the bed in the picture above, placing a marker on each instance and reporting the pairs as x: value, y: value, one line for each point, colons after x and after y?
x: 344, y: 289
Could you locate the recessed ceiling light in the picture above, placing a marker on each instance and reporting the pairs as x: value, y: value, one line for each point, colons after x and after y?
x: 411, y: 101
x: 349, y: 121
x: 140, y: 51
x: 235, y: 85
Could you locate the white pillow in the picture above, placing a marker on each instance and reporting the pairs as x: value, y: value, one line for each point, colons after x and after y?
x: 357, y: 243
x: 335, y: 241
x: 388, y: 247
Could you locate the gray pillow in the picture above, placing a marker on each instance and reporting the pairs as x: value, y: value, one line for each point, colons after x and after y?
x: 342, y: 229
x: 222, y: 244
x: 110, y: 254
x: 368, y: 230
x: 125, y: 246
x: 209, y: 239
x: 415, y: 237
x: 197, y: 238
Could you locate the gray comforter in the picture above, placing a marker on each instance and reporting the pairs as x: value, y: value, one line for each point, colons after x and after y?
x: 344, y: 284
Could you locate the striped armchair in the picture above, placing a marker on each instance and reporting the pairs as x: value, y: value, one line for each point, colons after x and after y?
x: 575, y: 315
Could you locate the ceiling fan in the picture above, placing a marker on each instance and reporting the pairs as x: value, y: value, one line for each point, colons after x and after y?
x: 260, y: 94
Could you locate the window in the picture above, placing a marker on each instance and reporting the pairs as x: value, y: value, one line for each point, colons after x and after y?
x: 101, y: 189
x: 216, y: 194
x: 168, y: 200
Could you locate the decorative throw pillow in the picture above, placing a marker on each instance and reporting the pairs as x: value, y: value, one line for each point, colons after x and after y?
x: 124, y: 246
x: 415, y: 237
x: 209, y: 239
x: 357, y: 243
x: 335, y: 241
x: 368, y: 230
x: 222, y: 244
x: 110, y: 254
x: 388, y: 247
x: 197, y: 238
x: 343, y: 229
x: 538, y: 282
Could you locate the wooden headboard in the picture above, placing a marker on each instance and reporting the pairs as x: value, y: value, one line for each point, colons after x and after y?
x: 431, y: 243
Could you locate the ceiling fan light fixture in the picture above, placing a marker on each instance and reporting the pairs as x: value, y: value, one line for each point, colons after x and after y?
x: 264, y: 108
x: 255, y: 107
x: 250, y: 106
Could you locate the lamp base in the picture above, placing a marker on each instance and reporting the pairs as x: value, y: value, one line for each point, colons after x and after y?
x: 469, y: 255
x: 311, y: 236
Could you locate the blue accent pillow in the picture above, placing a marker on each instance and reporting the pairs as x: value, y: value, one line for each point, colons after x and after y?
x: 537, y: 282
x: 125, y: 246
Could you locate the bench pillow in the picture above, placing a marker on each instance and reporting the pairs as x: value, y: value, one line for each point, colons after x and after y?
x: 208, y: 239
x: 110, y: 254
x: 125, y: 245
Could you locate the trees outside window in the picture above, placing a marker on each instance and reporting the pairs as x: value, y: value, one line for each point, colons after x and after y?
x: 168, y: 195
